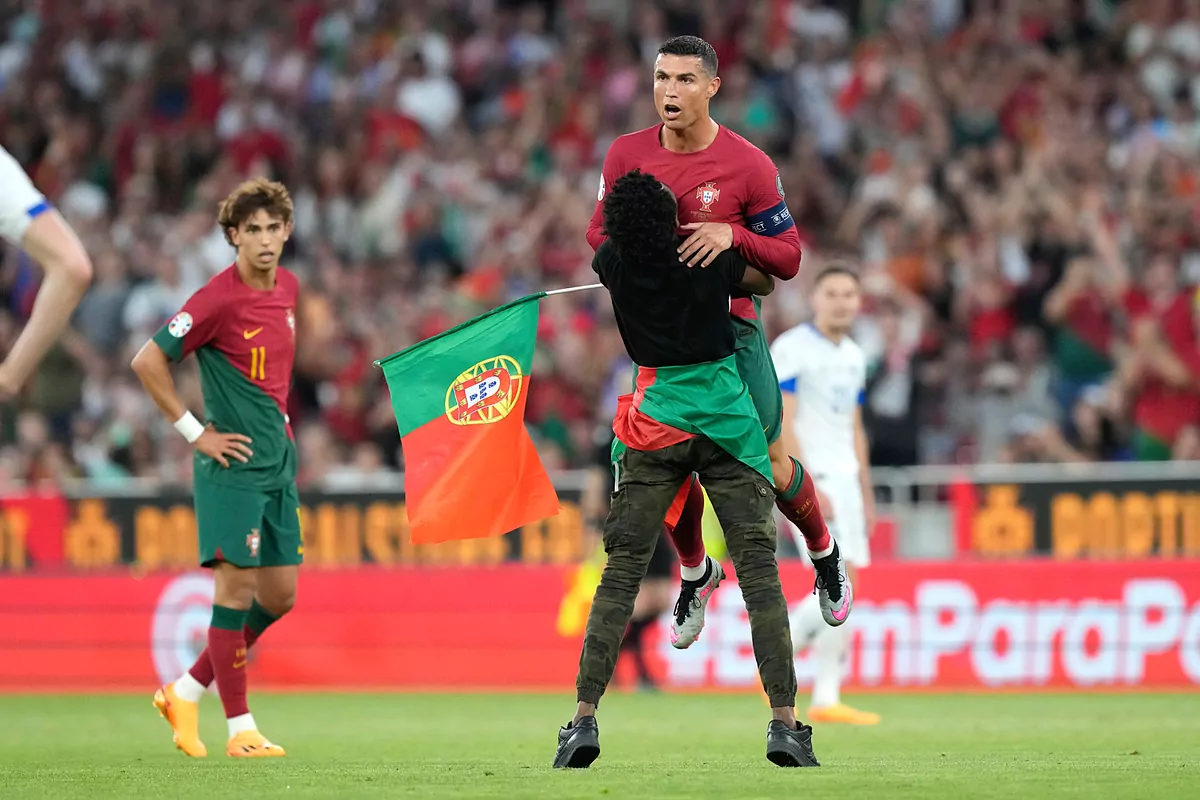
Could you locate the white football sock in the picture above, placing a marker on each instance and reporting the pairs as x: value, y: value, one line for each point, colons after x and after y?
x: 188, y: 688
x: 829, y: 649
x: 815, y: 554
x: 807, y: 622
x: 694, y: 573
x: 244, y: 722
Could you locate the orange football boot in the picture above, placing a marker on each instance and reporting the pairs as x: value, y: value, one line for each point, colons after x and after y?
x: 842, y: 713
x: 184, y: 718
x: 252, y: 744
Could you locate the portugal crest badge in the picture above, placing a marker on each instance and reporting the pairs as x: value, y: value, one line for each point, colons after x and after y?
x: 707, y: 195
x: 487, y: 392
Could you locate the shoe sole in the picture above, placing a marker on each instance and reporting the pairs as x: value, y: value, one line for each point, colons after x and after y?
x: 790, y: 756
x: 833, y: 621
x: 581, y: 757
x: 255, y: 755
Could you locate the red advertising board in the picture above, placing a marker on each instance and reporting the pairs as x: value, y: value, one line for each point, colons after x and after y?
x: 938, y: 625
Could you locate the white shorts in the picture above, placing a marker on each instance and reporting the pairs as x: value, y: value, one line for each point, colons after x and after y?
x: 849, y: 522
x: 20, y: 202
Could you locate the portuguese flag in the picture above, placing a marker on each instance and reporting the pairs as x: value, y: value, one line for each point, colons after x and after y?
x: 471, y: 470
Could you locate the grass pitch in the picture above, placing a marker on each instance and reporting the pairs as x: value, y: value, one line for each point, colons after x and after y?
x: 930, y: 746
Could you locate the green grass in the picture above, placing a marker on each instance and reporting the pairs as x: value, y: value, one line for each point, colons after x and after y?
x: 668, y: 746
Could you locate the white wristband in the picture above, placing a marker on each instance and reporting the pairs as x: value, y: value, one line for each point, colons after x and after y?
x: 189, y: 427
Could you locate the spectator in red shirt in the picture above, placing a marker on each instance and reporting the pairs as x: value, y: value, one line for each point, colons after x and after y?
x: 1160, y: 370
x: 1083, y: 308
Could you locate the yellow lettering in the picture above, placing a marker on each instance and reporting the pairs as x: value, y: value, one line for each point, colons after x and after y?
x: 185, y: 550
x: 1002, y: 527
x: 1067, y: 528
x: 1137, y: 525
x: 92, y: 540
x: 1167, y: 506
x: 147, y: 535
x: 14, y: 528
x: 1103, y: 525
x: 564, y: 535
x: 323, y: 550
x: 347, y: 537
x: 1191, y: 525
x: 533, y: 543
x: 165, y: 539
x: 406, y: 550
x: 379, y: 532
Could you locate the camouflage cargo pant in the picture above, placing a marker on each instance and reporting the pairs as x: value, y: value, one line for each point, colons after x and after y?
x: 743, y: 500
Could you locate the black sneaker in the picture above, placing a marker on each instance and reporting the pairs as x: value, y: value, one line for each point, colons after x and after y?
x: 789, y: 748
x: 579, y: 745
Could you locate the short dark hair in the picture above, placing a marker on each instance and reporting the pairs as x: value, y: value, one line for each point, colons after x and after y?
x: 640, y: 216
x: 836, y: 268
x: 692, y: 46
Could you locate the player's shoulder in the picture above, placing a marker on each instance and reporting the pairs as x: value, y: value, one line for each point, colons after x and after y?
x: 854, y: 349
x: 287, y: 279
x: 800, y: 334
x: 219, y: 285
x: 745, y: 150
x: 636, y: 141
x: 794, y: 342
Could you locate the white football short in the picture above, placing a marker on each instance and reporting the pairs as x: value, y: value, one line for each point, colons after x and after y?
x: 849, y: 522
x: 20, y: 202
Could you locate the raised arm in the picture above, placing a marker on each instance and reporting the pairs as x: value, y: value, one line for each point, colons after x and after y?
x: 28, y: 221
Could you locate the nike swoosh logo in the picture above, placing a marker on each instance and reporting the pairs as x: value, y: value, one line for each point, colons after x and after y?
x: 252, y: 334
x: 840, y: 614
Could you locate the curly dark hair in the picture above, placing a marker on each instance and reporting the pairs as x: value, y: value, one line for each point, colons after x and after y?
x: 641, y: 216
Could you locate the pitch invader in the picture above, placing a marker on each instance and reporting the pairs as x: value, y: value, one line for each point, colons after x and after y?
x: 822, y: 375
x: 729, y: 195
x: 242, y: 328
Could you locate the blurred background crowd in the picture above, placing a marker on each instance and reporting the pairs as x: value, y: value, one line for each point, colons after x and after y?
x: 1018, y: 180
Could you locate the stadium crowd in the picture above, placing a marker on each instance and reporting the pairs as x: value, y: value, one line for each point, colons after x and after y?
x: 1018, y: 180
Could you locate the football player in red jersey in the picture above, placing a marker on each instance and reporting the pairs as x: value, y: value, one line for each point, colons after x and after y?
x: 242, y: 328
x: 729, y: 195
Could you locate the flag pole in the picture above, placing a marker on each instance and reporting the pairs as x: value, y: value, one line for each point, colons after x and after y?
x: 575, y: 289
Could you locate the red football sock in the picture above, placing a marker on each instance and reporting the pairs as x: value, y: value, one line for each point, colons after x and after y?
x: 258, y: 619
x: 202, y: 670
x: 227, y: 651
x: 799, y: 504
x: 687, y: 535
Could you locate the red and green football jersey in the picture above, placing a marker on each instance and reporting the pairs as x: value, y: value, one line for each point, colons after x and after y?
x: 245, y: 342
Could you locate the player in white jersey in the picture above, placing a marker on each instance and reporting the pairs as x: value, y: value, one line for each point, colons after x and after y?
x: 28, y: 221
x: 822, y: 375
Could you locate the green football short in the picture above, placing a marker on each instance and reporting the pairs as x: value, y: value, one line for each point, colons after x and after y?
x: 248, y: 527
x: 757, y: 369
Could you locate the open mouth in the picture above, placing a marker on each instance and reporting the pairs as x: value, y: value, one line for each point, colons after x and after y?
x: 672, y: 111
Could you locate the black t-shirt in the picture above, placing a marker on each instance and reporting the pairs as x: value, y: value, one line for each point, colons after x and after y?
x: 670, y: 314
